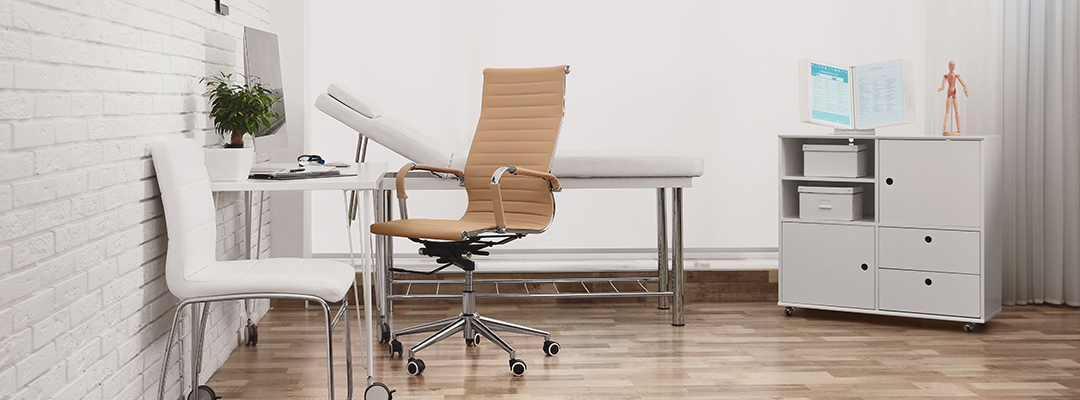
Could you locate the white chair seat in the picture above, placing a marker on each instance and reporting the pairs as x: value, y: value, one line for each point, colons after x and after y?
x: 325, y: 279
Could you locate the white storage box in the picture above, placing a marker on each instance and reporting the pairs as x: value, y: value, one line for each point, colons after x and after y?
x: 840, y: 161
x: 831, y: 203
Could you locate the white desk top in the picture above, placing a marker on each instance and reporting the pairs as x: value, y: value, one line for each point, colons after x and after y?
x: 887, y: 137
x: 368, y: 176
x: 423, y: 180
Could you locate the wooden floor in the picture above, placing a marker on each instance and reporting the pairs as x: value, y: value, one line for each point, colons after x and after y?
x: 725, y: 351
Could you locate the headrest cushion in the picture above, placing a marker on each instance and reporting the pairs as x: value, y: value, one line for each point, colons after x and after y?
x: 355, y: 101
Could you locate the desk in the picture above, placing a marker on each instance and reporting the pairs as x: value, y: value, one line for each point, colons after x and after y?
x: 669, y: 278
x: 367, y: 180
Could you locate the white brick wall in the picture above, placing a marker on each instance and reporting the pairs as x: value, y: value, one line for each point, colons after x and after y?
x: 85, y: 87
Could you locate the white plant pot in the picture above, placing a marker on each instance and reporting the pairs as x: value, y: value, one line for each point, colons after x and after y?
x: 229, y: 165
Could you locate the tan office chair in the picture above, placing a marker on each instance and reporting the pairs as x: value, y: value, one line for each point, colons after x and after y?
x: 520, y: 117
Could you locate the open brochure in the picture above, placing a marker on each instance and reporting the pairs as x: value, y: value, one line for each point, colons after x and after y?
x: 292, y: 172
x: 856, y: 98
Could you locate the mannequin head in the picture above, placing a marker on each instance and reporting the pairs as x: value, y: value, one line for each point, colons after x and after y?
x: 952, y: 66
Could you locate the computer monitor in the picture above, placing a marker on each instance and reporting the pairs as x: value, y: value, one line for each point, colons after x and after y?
x: 262, y: 62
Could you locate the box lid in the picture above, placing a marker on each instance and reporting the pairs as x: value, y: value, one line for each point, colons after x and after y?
x: 829, y: 190
x: 834, y: 147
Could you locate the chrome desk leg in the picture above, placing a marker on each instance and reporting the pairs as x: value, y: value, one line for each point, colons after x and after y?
x: 661, y: 248
x: 388, y: 258
x: 677, y: 280
x: 365, y: 236
x: 383, y: 213
x: 380, y: 294
x: 247, y: 225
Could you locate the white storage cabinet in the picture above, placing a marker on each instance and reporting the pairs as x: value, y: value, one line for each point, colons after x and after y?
x: 927, y: 245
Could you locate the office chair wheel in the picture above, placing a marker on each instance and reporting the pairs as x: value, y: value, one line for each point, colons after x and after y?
x: 395, y: 347
x: 203, y: 392
x: 518, y: 367
x: 551, y: 348
x: 415, y: 366
x: 378, y: 391
x: 384, y: 332
x: 475, y: 341
x: 252, y: 334
x: 788, y: 311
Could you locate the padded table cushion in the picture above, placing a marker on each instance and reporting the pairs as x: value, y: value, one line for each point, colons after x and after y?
x: 353, y: 109
x: 616, y: 165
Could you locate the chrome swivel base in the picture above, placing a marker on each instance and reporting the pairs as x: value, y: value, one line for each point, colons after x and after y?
x: 474, y: 327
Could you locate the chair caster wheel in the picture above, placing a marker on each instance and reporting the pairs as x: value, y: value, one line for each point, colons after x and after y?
x: 475, y: 341
x: 788, y: 311
x: 971, y: 327
x: 395, y: 347
x: 518, y: 367
x: 203, y: 392
x: 551, y: 348
x: 415, y: 366
x: 252, y: 334
x: 378, y: 391
x: 384, y: 332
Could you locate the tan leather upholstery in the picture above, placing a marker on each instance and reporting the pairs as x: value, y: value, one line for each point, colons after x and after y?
x: 520, y: 117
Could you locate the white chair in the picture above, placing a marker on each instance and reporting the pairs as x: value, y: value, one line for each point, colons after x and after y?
x: 196, y: 277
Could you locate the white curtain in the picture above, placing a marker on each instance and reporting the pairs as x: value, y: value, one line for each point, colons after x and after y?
x: 1041, y: 128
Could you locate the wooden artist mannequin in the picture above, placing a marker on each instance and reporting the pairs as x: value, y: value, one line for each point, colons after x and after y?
x: 950, y: 100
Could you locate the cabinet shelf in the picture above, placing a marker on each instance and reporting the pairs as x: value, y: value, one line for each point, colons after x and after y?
x: 865, y: 220
x: 865, y: 179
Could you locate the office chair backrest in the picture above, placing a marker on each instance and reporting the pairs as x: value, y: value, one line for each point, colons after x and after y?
x: 520, y: 117
x: 189, y: 209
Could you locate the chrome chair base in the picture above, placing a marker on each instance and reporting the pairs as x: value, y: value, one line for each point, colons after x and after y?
x: 474, y: 327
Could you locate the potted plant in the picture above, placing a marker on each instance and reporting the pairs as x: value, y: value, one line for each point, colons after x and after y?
x: 237, y: 110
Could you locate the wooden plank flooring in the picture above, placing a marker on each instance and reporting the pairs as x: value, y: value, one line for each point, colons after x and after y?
x: 725, y: 351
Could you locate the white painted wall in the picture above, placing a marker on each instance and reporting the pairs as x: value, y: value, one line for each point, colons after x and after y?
x: 710, y: 79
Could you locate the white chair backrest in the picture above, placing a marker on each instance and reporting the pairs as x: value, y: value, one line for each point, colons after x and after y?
x: 189, y: 209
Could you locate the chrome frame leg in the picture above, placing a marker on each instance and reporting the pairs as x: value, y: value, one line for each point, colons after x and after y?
x: 499, y: 325
x: 200, y: 327
x: 444, y: 333
x: 197, y: 350
x: 678, y: 281
x: 348, y: 344
x: 664, y: 303
x: 168, y: 349
x: 484, y: 331
x: 329, y: 348
x: 426, y: 327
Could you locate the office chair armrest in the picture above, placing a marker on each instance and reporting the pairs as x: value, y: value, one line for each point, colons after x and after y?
x: 401, y: 182
x: 496, y: 190
x: 411, y: 166
x: 553, y: 182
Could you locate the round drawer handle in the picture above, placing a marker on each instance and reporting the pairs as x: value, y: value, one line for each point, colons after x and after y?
x: 928, y: 282
x: 929, y: 239
x: 865, y: 267
x: 888, y: 181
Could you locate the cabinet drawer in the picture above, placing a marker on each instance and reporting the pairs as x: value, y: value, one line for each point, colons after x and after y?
x: 929, y: 250
x: 929, y: 292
